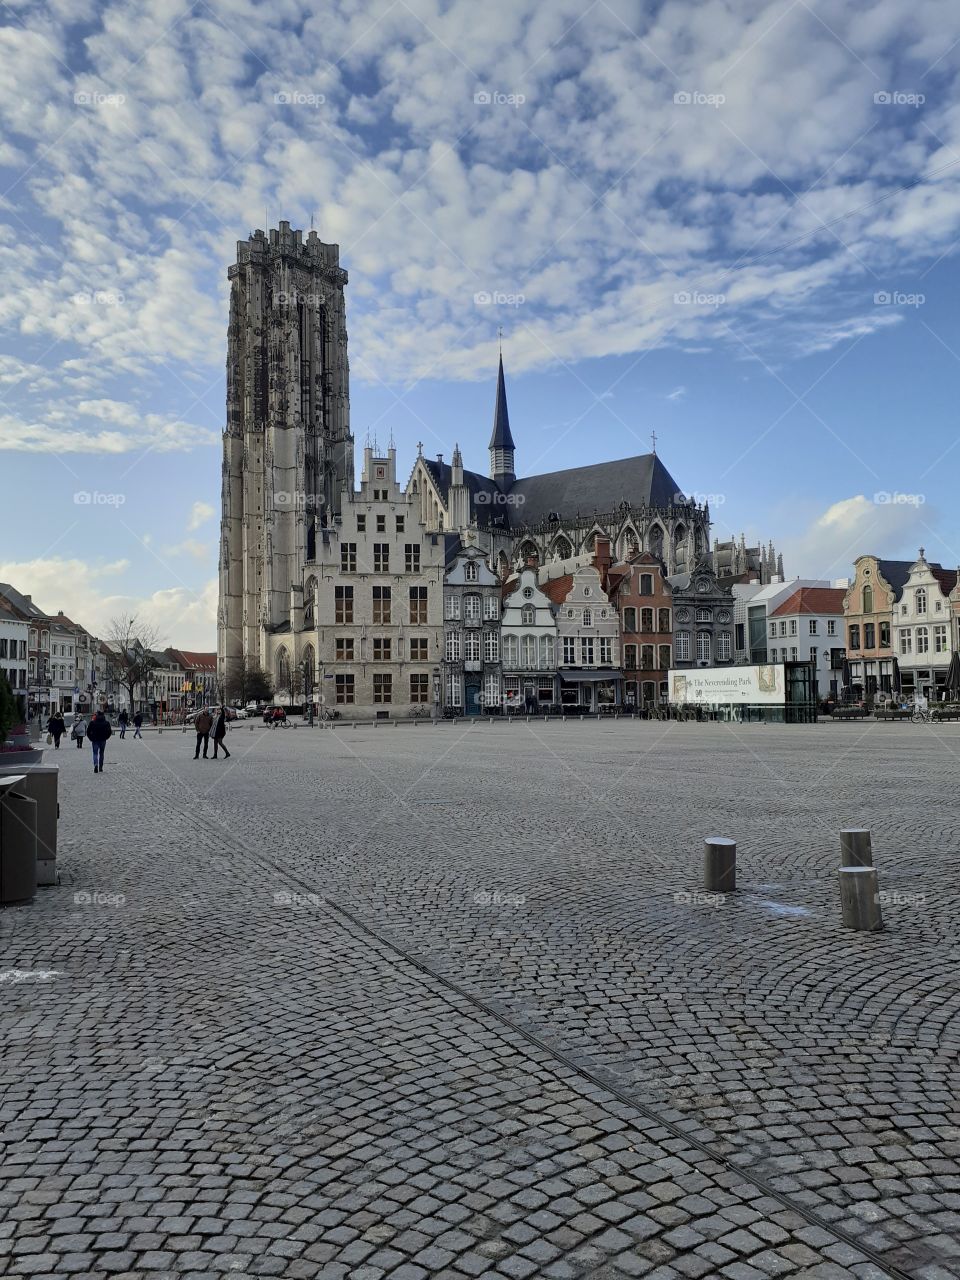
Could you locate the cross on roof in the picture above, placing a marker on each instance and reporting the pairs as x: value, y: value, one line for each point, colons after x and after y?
x: 653, y: 439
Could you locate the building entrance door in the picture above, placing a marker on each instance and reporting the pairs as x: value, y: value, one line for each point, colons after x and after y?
x: 472, y: 695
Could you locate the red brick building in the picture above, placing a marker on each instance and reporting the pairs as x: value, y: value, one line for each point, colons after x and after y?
x: 644, y: 602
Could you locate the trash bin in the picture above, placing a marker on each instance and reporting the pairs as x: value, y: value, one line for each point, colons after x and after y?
x: 18, y: 842
x: 40, y: 782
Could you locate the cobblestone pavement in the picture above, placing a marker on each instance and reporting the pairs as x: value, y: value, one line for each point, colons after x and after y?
x: 447, y: 1001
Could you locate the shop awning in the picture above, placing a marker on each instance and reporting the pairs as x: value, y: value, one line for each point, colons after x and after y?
x: 587, y: 677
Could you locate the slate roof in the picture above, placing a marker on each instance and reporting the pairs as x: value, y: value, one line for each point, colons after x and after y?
x: 896, y: 573
x: 502, y: 438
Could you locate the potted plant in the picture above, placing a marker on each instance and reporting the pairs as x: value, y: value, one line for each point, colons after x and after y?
x: 15, y: 745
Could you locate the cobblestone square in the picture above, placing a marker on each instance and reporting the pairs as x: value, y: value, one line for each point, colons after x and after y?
x: 449, y: 1000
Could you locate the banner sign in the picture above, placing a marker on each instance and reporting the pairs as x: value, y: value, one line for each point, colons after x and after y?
x: 762, y: 685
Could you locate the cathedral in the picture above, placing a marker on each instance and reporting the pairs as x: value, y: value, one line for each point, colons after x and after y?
x: 288, y: 479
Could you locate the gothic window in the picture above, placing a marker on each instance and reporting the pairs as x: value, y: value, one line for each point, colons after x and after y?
x: 283, y: 670
x: 562, y: 549
x: 630, y: 544
x: 529, y: 553
x: 309, y: 669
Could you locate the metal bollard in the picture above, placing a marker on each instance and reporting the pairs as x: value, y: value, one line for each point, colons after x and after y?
x: 859, y: 898
x: 855, y: 847
x: 719, y: 864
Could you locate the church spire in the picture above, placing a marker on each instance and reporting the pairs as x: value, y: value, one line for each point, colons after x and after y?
x: 501, y: 441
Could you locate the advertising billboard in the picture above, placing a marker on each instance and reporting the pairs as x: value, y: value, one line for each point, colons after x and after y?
x: 762, y: 685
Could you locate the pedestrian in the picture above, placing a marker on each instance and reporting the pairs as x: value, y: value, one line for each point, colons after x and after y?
x: 56, y: 727
x: 203, y: 724
x: 79, y: 731
x: 98, y: 731
x: 122, y: 719
x: 137, y: 722
x: 220, y: 733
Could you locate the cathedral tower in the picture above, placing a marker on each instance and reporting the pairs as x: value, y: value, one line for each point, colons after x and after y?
x: 501, y: 441
x: 287, y: 447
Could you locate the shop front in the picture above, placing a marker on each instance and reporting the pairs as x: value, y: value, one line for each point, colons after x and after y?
x: 594, y: 690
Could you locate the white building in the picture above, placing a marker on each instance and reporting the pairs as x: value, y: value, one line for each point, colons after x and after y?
x: 588, y: 640
x: 753, y: 605
x: 471, y: 660
x: 808, y: 627
x: 528, y: 640
x: 14, y: 640
x: 922, y: 627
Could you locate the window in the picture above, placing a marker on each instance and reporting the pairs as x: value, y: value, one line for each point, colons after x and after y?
x: 419, y: 649
x: 547, y: 654
x: 527, y: 615
x: 528, y: 651
x: 344, y: 649
x: 940, y: 639
x: 382, y: 686
x: 663, y: 620
x: 411, y: 557
x: 454, y: 689
x: 453, y: 607
x: 646, y: 584
x: 724, y: 646
x: 586, y: 651
x: 793, y: 626
x: 587, y: 618
x: 793, y: 654
x: 867, y: 600
x: 344, y: 687
x: 831, y: 627
x: 471, y: 646
x: 491, y: 608
x: 783, y: 627
x: 630, y: 657
x: 361, y: 524
x: 938, y: 606
x: 401, y: 522
x: 682, y: 644
x: 869, y: 635
x: 381, y: 557
x: 646, y: 657
x: 885, y: 635
x: 491, y: 689
x: 646, y: 619
x: 452, y: 650
x: 348, y: 557
x: 920, y: 599
x: 471, y: 608
x: 704, y: 615
x: 906, y: 642
x: 471, y: 571
x: 381, y: 524
x: 853, y: 636
x: 491, y: 646
x: 813, y: 656
x: 773, y: 630
x: 630, y: 620
x: 812, y: 627
x: 511, y: 651
x: 343, y: 604
x: 665, y: 660
x: 381, y: 648
x: 420, y: 688
x: 569, y: 650
x: 703, y: 646
x: 923, y: 640
x: 606, y: 651
x: 381, y: 606
x: 418, y: 606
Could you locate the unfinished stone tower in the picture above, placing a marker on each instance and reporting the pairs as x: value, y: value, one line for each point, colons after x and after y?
x: 287, y: 447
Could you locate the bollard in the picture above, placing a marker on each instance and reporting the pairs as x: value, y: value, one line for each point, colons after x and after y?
x: 855, y: 847
x: 859, y: 898
x: 719, y: 864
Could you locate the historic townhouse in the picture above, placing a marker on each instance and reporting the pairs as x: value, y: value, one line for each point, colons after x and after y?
x: 702, y: 619
x: 471, y: 653
x: 868, y: 617
x: 588, y: 636
x: 528, y: 638
x: 14, y: 646
x: 922, y: 627
x: 808, y: 627
x: 371, y: 630
x: 644, y: 601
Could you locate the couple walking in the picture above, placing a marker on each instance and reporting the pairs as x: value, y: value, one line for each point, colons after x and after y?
x: 203, y: 724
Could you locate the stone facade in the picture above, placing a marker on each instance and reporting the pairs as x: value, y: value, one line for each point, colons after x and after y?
x: 528, y: 642
x: 287, y: 447
x: 588, y: 639
x: 471, y: 656
x: 368, y: 638
x: 702, y: 619
x: 868, y: 618
x: 922, y: 629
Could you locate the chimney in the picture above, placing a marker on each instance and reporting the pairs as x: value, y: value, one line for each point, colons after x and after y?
x: 601, y: 558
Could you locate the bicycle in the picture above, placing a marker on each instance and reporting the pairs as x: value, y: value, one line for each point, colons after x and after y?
x: 419, y: 712
x: 920, y: 715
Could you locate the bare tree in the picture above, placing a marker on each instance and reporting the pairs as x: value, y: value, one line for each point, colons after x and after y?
x: 248, y: 683
x: 130, y: 657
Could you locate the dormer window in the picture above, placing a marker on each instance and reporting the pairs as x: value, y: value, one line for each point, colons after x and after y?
x: 472, y: 571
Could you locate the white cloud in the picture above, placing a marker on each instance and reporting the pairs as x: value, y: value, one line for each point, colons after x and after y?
x: 200, y: 512
x: 884, y: 524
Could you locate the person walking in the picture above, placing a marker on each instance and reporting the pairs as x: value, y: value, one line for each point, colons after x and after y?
x: 203, y: 724
x: 98, y: 731
x: 79, y: 731
x: 220, y: 733
x: 56, y: 726
x: 137, y: 722
x: 122, y: 720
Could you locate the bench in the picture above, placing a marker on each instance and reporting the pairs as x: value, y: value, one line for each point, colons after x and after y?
x: 946, y: 713
x: 892, y: 714
x: 849, y: 713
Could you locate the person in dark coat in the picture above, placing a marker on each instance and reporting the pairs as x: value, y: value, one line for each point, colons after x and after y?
x: 57, y: 727
x: 203, y: 724
x: 79, y: 731
x: 122, y: 719
x: 98, y: 731
x: 137, y: 722
x: 220, y: 733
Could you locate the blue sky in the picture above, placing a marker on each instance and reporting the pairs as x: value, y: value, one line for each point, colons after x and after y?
x: 732, y: 224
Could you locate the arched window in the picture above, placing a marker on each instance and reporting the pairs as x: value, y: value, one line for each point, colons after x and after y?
x: 528, y: 615
x: 471, y: 571
x: 283, y: 670
x: 868, y: 599
x: 655, y: 541
x: 629, y: 544
x: 308, y: 665
x: 587, y: 618
x: 528, y: 651
x: 503, y: 566
x: 528, y: 553
x: 920, y: 599
x: 562, y: 549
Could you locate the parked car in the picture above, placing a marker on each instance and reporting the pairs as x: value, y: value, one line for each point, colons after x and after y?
x: 237, y: 713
